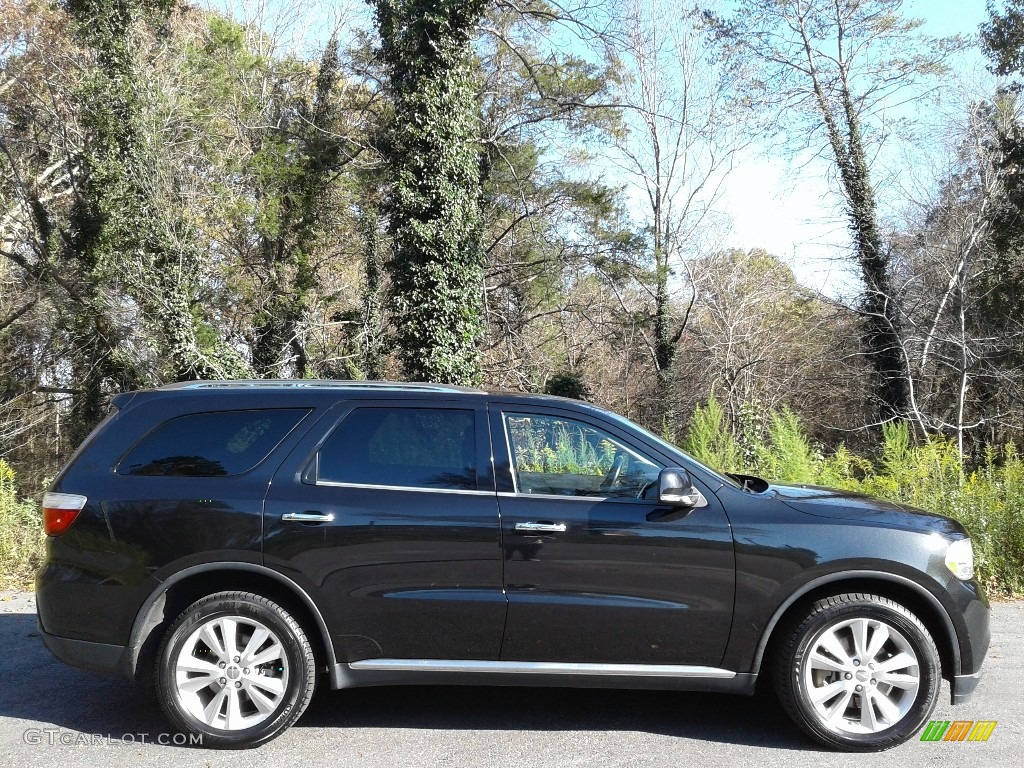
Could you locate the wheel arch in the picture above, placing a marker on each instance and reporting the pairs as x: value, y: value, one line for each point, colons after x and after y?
x: 182, y: 589
x: 907, y: 592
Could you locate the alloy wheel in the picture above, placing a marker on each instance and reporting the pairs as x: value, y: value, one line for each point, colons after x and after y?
x: 231, y: 673
x: 861, y: 676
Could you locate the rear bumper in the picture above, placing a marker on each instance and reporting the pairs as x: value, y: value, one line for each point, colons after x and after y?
x: 97, y: 657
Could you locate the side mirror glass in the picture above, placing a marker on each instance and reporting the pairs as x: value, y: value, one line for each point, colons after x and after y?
x: 676, y: 488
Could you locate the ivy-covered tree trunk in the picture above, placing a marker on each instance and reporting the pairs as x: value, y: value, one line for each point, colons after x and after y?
x: 109, y: 119
x: 1003, y: 294
x: 432, y: 205
x: 882, y: 322
x: 117, y: 235
x: 831, y: 62
x: 882, y: 325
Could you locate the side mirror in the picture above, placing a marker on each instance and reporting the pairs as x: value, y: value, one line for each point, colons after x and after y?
x: 676, y: 488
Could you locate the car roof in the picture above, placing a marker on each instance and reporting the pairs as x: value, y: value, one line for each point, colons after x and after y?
x: 329, y: 388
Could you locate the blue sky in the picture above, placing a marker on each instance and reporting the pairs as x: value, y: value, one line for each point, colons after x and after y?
x: 949, y: 17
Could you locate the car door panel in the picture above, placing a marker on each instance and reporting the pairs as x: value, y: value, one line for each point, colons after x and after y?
x: 627, y: 581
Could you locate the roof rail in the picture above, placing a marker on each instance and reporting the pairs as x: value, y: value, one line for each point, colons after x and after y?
x: 396, y: 386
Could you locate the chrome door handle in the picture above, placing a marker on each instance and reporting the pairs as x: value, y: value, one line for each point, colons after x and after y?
x: 541, y: 527
x: 307, y: 517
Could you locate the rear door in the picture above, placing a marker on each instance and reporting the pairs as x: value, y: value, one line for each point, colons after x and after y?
x: 596, y: 570
x: 388, y: 516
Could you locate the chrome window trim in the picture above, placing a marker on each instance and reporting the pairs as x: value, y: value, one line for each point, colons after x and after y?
x: 517, y: 495
x: 417, y: 489
x: 591, y: 499
x: 541, y: 668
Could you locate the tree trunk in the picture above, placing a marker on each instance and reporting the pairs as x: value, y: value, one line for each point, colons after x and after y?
x: 433, y: 205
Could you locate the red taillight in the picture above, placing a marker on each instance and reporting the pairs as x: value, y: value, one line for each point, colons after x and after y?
x: 59, y: 511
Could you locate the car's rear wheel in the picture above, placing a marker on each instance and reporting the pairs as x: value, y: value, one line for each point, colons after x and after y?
x: 235, y: 669
x: 859, y: 672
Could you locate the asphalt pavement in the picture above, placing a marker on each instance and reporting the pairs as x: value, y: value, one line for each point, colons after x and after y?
x: 52, y: 715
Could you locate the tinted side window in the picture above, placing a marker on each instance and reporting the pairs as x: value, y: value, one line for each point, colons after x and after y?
x: 559, y: 456
x: 410, y: 447
x: 211, y: 444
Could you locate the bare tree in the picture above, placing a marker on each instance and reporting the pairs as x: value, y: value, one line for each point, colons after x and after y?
x: 956, y: 343
x: 682, y: 139
x: 834, y: 71
x: 758, y: 340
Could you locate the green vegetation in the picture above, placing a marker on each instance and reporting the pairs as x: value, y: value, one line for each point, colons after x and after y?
x: 557, y: 447
x: 530, y: 196
x: 21, y: 535
x: 988, y: 500
x: 430, y: 148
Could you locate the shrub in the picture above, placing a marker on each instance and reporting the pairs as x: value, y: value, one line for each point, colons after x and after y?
x: 710, y: 441
x: 988, y: 501
x: 567, y: 384
x: 787, y: 455
x: 21, y: 536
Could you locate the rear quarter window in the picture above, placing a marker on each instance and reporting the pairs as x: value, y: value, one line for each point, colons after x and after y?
x: 212, y: 444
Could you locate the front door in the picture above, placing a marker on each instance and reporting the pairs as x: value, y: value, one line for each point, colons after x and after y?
x: 596, y: 570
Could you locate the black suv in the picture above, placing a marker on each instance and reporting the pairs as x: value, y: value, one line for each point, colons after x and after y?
x: 233, y: 541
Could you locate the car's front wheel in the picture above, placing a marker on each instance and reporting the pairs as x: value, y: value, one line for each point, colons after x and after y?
x: 859, y: 672
x: 235, y: 669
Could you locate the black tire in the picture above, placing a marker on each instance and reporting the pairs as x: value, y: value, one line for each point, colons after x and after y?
x: 886, y: 648
x: 241, y: 705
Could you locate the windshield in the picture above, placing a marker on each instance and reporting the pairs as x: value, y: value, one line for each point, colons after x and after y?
x: 673, y: 449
